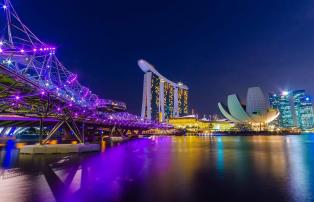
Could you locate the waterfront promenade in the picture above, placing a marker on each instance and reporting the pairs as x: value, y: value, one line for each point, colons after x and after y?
x: 254, y: 168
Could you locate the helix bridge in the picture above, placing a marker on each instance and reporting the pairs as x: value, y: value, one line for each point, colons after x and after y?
x: 36, y: 88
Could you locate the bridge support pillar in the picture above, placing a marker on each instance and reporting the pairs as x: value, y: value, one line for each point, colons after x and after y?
x: 83, y: 132
x: 69, y: 122
x: 66, y: 133
x: 41, y: 130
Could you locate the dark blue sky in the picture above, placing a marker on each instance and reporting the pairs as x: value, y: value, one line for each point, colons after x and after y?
x: 215, y: 47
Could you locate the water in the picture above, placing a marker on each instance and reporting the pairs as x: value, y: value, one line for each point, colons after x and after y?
x: 256, y: 168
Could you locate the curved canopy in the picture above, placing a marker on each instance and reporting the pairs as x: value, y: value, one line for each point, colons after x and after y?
x: 235, y: 108
x: 147, y: 67
x: 225, y: 113
x: 256, y: 102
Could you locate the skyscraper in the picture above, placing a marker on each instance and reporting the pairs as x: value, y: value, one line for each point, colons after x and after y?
x: 296, y: 109
x: 162, y: 98
x: 303, y: 110
x: 284, y: 104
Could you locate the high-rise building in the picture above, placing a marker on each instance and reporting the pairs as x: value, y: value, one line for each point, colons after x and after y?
x: 303, y: 110
x: 162, y: 98
x: 296, y: 109
x: 284, y: 104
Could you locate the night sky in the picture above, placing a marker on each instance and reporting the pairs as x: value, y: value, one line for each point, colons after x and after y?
x: 215, y: 47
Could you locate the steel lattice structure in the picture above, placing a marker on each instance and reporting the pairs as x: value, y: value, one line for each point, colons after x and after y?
x: 33, y: 81
x: 25, y: 54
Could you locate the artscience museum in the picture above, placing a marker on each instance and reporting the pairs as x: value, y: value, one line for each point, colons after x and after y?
x: 255, y: 112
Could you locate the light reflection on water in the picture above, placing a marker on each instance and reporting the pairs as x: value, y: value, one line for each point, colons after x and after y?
x: 255, y: 168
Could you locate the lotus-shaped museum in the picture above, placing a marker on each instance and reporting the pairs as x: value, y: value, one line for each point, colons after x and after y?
x: 256, y: 110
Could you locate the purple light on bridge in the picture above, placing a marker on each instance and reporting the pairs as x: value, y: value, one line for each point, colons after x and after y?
x: 70, y: 92
x: 72, y: 78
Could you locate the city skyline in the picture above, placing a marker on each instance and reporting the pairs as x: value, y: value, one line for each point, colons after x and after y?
x: 219, y: 42
x: 70, y: 129
x: 295, y: 107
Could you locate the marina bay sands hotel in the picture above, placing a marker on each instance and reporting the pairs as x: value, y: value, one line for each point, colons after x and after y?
x: 162, y: 98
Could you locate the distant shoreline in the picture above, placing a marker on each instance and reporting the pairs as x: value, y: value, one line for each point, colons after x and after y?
x: 256, y: 133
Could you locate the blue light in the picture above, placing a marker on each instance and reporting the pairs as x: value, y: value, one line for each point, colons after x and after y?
x: 284, y: 93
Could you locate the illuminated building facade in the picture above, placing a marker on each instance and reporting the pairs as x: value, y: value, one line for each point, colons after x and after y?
x: 303, y: 109
x: 296, y: 109
x: 284, y: 104
x: 256, y: 112
x: 192, y: 124
x: 162, y: 98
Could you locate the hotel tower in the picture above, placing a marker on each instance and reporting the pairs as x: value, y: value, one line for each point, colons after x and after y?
x: 162, y: 98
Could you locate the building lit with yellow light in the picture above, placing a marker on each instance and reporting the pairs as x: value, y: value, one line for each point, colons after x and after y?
x: 162, y: 98
x: 192, y: 124
x: 222, y: 126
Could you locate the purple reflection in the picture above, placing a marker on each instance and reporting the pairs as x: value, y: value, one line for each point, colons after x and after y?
x: 260, y: 168
x: 109, y: 173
